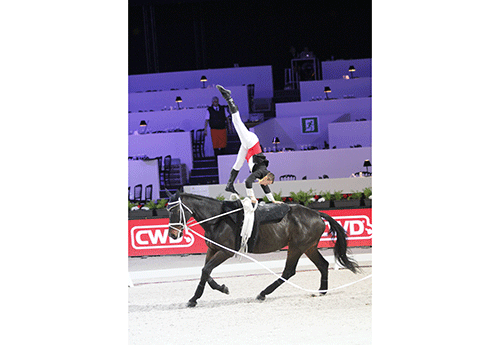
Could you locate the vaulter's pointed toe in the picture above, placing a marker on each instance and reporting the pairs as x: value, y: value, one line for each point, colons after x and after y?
x: 225, y: 93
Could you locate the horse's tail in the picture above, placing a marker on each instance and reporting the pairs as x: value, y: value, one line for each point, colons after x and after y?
x: 340, y: 249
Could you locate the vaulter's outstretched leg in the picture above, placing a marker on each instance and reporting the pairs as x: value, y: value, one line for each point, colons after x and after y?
x: 247, y: 138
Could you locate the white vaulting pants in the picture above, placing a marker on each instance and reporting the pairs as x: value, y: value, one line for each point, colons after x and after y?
x: 248, y: 140
x: 248, y: 219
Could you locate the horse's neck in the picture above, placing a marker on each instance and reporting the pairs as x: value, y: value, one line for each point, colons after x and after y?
x: 202, y: 209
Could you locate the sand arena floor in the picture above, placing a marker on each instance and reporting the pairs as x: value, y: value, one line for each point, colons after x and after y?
x: 158, y: 312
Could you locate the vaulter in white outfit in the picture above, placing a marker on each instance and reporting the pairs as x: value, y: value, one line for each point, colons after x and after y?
x: 250, y: 151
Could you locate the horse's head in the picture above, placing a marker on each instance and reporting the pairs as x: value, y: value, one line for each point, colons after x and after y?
x: 179, y: 214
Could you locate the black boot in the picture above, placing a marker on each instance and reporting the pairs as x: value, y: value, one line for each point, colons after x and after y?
x: 226, y: 94
x: 232, y: 177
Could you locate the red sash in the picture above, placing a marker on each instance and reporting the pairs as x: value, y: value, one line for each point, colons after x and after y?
x: 253, y: 151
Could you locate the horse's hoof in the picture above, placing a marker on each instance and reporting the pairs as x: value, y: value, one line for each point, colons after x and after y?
x: 225, y: 289
x: 191, y: 304
x: 261, y: 297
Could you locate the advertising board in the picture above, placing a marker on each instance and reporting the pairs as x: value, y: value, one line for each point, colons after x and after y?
x: 150, y: 236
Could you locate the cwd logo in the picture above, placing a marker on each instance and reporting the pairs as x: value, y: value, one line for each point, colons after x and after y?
x: 357, y: 227
x: 156, y: 236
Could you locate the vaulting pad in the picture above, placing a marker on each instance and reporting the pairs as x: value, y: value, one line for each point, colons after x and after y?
x: 271, y: 212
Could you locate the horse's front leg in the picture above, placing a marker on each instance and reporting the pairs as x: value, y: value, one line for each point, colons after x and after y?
x: 217, y: 259
x: 213, y: 284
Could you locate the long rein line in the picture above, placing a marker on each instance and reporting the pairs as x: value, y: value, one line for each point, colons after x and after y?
x: 254, y: 260
x: 269, y: 270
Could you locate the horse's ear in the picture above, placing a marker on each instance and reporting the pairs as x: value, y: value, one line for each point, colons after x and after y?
x: 170, y: 195
x: 177, y: 194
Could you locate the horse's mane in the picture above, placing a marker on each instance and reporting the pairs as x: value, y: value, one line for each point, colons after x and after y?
x: 200, y: 197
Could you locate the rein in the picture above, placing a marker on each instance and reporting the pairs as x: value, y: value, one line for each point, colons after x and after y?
x: 185, y: 226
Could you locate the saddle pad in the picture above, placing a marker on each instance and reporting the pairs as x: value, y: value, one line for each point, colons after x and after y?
x: 267, y: 213
x: 271, y: 212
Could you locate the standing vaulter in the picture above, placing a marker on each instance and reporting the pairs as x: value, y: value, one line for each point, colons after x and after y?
x: 251, y: 151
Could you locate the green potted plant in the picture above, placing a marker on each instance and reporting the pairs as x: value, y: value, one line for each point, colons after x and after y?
x: 353, y: 200
x: 302, y: 197
x: 139, y: 211
x: 330, y: 197
x: 321, y: 201
x: 161, y: 210
x: 148, y: 210
x: 132, y: 206
x: 367, y: 201
x: 355, y: 197
x: 337, y: 198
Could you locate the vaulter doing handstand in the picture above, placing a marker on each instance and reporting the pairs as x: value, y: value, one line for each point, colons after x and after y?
x: 250, y: 151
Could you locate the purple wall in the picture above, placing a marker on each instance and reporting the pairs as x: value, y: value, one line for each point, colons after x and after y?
x: 260, y: 76
x: 338, y: 163
x: 357, y: 107
x: 192, y: 98
x: 338, y: 68
x: 341, y: 88
x: 346, y: 134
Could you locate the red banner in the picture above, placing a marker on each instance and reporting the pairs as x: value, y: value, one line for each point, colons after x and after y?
x: 356, y: 222
x: 150, y: 236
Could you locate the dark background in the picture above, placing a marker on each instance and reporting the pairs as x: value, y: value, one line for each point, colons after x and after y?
x: 168, y: 36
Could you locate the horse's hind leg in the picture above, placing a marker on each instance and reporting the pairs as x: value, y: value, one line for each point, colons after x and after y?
x: 322, y: 264
x: 290, y: 266
x: 218, y: 258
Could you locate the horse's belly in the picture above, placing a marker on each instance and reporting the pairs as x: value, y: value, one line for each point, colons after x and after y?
x: 270, y: 239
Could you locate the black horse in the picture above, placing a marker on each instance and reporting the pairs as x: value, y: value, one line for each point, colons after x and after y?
x: 300, y: 230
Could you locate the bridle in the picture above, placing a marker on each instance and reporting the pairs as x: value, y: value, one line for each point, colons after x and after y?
x: 182, y: 218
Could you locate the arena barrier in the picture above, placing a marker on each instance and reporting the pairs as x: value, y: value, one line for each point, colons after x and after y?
x: 150, y: 236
